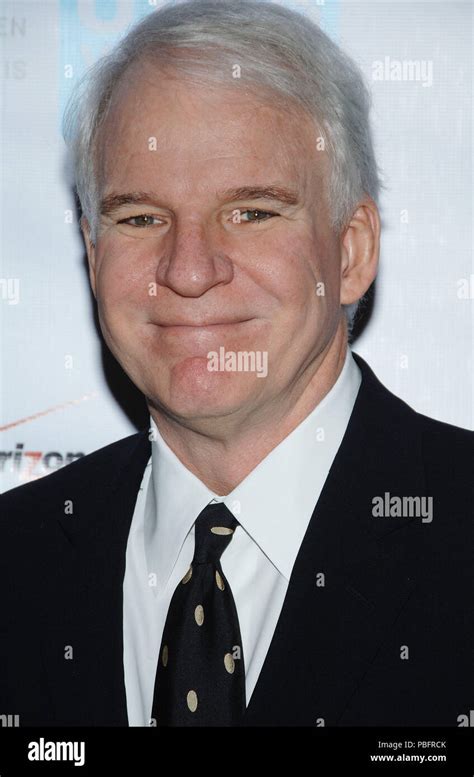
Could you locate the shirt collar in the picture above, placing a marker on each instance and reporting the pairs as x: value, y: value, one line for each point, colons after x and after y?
x: 273, y: 504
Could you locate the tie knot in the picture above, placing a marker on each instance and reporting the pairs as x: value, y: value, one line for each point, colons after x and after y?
x: 214, y: 529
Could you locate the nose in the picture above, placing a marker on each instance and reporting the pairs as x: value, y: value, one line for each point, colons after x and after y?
x: 195, y: 261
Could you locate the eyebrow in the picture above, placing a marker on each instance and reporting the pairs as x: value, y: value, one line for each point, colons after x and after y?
x: 113, y: 202
x: 280, y: 194
x: 276, y: 193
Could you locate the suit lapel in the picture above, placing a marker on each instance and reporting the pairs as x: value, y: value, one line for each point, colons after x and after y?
x: 328, y: 635
x: 89, y: 688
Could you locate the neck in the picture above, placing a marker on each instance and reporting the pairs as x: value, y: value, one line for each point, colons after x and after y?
x: 221, y: 453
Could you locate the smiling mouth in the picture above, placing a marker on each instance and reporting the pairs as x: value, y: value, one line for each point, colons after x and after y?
x: 204, y: 325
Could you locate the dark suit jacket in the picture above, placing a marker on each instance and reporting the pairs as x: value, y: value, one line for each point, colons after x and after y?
x: 339, y: 653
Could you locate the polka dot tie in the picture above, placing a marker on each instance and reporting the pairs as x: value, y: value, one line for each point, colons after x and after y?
x: 200, y: 677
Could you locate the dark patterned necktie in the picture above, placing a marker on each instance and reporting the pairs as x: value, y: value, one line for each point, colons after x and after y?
x: 200, y: 677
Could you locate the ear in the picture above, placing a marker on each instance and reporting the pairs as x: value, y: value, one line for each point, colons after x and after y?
x: 90, y: 248
x: 360, y: 247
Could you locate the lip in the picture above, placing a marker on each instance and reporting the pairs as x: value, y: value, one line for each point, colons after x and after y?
x: 204, y: 325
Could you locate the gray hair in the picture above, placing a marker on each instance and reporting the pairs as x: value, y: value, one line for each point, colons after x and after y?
x: 283, y: 55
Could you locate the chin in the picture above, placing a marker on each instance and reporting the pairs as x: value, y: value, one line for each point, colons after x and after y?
x: 187, y: 410
x: 195, y: 392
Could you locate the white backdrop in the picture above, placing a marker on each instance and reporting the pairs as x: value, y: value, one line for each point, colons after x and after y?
x: 56, y: 401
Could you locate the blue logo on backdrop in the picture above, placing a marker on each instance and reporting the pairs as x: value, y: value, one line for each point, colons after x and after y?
x: 87, y: 30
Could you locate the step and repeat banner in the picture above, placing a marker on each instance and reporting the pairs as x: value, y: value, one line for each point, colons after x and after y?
x: 62, y: 395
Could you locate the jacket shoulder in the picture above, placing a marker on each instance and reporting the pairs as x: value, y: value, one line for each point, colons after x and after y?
x: 448, y: 453
x: 87, y: 473
x: 447, y: 450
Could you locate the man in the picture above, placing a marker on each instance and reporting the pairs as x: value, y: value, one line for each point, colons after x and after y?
x: 289, y: 543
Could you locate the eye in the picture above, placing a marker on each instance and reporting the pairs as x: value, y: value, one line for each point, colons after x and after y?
x: 256, y: 215
x: 144, y: 220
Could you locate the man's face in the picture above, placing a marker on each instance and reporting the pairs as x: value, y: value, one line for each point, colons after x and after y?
x: 212, y: 268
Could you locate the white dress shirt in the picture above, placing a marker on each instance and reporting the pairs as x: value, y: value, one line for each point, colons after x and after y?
x: 273, y: 505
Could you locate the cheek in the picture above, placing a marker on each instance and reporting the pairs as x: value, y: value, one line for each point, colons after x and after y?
x: 302, y: 274
x: 123, y: 280
x: 322, y: 271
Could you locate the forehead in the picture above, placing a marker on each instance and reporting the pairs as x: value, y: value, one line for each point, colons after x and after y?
x: 161, y: 123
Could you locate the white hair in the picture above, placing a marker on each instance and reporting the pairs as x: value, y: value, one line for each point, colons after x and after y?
x: 282, y: 54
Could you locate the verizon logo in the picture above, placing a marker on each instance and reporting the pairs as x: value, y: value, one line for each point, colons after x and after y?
x: 31, y: 463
